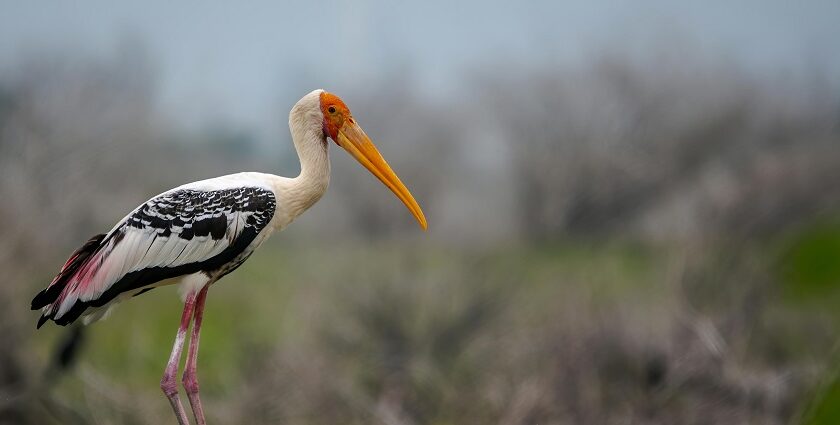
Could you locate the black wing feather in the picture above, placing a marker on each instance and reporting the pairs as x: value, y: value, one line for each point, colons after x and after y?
x: 183, y: 213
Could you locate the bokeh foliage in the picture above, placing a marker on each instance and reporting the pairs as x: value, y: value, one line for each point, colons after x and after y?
x: 619, y: 243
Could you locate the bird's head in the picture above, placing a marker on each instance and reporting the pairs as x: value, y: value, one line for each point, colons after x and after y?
x: 340, y: 126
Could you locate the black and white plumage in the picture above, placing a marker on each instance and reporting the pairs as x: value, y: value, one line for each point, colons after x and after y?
x: 177, y: 233
x: 201, y: 231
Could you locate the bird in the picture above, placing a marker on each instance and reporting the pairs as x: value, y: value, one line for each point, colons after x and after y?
x: 195, y: 234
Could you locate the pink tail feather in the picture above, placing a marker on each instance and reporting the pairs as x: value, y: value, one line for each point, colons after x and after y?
x: 74, y: 265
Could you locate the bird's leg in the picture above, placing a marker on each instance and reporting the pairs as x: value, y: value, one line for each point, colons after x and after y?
x: 169, y: 383
x: 190, y: 379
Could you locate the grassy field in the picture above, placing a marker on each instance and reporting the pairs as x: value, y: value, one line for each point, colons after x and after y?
x: 572, y: 333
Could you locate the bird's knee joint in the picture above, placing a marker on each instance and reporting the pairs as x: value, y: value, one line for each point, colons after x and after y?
x: 169, y: 386
x: 190, y: 384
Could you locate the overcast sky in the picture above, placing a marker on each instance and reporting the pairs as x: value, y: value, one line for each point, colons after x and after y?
x: 241, y: 57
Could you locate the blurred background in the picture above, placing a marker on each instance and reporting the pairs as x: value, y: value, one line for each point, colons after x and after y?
x: 634, y: 209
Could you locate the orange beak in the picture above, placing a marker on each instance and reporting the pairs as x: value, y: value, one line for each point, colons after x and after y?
x: 353, y: 139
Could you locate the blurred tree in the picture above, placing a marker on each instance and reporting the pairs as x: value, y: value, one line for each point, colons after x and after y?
x: 681, y: 148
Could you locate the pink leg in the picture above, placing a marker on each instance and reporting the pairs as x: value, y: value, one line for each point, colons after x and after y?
x: 168, y: 383
x: 190, y: 379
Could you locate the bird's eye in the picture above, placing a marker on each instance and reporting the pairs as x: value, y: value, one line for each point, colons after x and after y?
x: 331, y: 109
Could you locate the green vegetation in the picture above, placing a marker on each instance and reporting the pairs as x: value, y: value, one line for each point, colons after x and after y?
x: 438, y: 336
x: 811, y: 263
x: 646, y: 240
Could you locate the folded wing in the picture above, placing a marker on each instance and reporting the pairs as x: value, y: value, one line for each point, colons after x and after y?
x: 179, y: 232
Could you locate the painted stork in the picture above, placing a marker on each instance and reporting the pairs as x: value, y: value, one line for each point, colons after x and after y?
x: 195, y: 234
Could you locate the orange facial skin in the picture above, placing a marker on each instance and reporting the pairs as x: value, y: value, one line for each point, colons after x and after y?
x: 340, y: 126
x: 335, y: 113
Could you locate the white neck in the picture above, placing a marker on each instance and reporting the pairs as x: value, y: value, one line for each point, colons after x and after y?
x: 305, y: 123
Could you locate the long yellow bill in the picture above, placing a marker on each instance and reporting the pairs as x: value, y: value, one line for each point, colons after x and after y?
x: 353, y: 139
